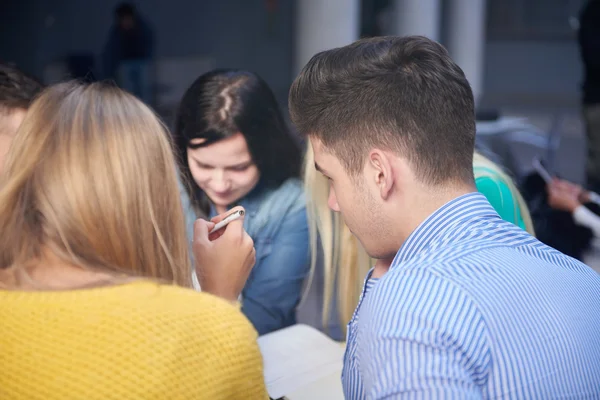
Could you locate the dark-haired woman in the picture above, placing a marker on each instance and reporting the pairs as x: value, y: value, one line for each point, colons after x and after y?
x: 236, y: 149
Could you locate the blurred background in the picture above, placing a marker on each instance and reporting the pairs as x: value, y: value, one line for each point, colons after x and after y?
x: 520, y: 56
x: 516, y: 53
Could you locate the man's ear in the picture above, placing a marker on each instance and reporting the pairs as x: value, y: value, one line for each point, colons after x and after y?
x: 382, y: 170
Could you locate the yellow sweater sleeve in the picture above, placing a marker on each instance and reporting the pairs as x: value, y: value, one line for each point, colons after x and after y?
x: 246, y: 377
x: 236, y: 366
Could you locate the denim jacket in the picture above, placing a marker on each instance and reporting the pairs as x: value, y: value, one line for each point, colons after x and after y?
x: 276, y: 221
x: 188, y: 212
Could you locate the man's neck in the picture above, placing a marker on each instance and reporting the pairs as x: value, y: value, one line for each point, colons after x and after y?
x: 424, y: 204
x: 421, y: 206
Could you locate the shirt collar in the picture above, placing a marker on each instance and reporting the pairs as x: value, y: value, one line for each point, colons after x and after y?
x: 442, y: 222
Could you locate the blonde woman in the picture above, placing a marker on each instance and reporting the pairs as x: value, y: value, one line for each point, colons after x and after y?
x: 335, y: 288
x: 94, y: 263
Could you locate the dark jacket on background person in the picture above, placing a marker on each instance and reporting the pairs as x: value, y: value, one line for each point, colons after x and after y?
x: 589, y: 44
x: 135, y: 44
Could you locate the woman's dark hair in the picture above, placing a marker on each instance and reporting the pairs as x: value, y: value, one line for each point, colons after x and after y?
x: 224, y: 102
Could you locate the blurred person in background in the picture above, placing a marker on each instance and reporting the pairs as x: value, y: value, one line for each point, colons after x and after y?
x: 566, y: 196
x: 128, y: 53
x: 236, y: 149
x: 554, y: 226
x: 94, y: 263
x: 17, y: 92
x: 589, y: 45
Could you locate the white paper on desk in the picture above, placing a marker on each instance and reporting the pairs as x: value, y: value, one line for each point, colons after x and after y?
x: 297, y: 356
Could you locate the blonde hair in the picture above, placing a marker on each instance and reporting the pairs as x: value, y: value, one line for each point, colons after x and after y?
x: 486, y: 167
x: 91, y: 177
x: 345, y: 262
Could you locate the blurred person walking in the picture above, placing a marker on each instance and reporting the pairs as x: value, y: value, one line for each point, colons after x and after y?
x: 128, y: 53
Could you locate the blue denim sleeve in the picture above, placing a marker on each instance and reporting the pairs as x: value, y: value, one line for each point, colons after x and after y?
x: 188, y: 212
x: 190, y: 218
x: 275, y: 285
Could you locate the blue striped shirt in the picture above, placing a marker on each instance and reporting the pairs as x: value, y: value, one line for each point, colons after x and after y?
x: 474, y: 307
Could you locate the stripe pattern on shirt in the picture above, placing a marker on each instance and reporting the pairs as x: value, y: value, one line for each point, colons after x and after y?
x: 474, y: 307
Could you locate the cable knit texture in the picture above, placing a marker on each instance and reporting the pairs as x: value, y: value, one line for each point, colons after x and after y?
x: 135, y: 341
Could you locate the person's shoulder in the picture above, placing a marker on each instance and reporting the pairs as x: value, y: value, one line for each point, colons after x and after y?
x: 500, y: 196
x: 488, y: 179
x: 209, y: 327
x: 404, y: 276
x: 286, y: 199
x: 199, y: 319
x: 402, y: 298
x: 185, y: 300
x: 143, y: 309
x: 289, y: 191
x: 182, y: 306
x: 292, y: 194
x: 433, y: 268
x: 470, y: 253
x: 490, y: 183
x: 292, y: 187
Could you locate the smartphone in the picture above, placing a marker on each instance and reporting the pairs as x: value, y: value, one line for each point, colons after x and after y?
x: 539, y: 167
x: 230, y: 218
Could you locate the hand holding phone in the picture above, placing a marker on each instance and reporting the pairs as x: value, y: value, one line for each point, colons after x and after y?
x: 229, y: 218
x: 537, y: 165
x: 224, y: 254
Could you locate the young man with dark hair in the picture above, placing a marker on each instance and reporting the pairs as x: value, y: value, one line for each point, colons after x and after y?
x: 460, y: 304
x: 17, y: 92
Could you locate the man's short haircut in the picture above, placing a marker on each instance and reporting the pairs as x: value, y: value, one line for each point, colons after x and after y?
x: 399, y: 93
x: 17, y: 89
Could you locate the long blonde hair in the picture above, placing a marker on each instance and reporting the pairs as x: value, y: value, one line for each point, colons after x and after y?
x: 345, y: 262
x: 91, y: 177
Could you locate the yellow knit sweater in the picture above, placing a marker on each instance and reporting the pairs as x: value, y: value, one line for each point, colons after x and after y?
x: 140, y: 340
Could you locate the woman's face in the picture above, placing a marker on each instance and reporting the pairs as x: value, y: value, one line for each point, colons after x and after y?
x: 224, y: 170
